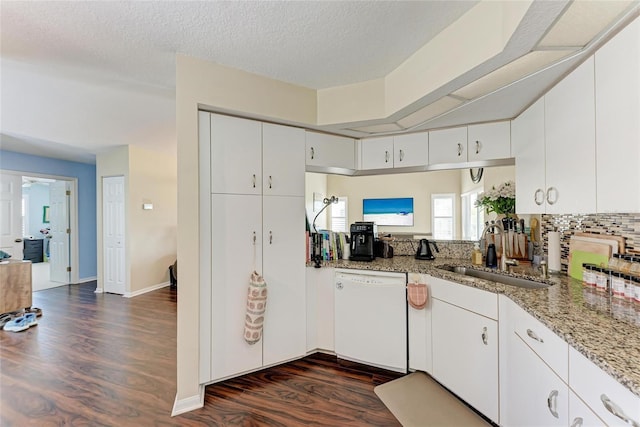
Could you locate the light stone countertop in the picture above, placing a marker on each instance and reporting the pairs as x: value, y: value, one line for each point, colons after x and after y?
x: 605, y: 330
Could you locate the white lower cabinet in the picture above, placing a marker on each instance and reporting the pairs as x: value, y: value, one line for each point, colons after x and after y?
x: 465, y: 353
x: 232, y: 261
x: 532, y: 394
x: 580, y: 415
x: 320, y: 309
x: 284, y: 336
x: 420, y: 348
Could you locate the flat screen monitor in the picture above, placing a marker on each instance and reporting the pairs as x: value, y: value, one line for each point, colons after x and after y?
x: 396, y: 211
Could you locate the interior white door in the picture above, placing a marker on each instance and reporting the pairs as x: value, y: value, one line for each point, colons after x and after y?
x: 11, y: 215
x: 59, y: 260
x: 113, y: 237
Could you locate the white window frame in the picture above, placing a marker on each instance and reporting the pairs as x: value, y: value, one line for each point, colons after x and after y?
x: 452, y: 197
x: 346, y: 215
x: 467, y: 206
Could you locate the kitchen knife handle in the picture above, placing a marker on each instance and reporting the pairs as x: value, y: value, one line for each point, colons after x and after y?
x: 539, y: 201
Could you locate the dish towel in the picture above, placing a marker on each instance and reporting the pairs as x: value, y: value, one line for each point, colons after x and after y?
x: 256, y: 304
x: 417, y: 291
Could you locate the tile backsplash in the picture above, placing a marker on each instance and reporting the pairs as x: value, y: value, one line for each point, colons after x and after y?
x: 625, y: 225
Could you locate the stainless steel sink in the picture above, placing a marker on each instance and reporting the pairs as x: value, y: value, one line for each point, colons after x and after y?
x: 496, y: 277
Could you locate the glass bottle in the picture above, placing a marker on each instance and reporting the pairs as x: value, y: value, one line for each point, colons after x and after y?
x: 617, y: 285
x: 602, y: 279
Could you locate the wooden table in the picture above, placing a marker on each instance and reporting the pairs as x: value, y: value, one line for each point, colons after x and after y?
x: 15, y: 285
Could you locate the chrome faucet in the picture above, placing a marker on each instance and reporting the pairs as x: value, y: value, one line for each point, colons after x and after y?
x: 505, y: 263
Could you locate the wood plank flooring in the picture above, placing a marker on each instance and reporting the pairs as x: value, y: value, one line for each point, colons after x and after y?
x: 104, y: 360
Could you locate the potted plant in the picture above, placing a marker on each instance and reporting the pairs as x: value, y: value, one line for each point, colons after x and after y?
x: 501, y: 200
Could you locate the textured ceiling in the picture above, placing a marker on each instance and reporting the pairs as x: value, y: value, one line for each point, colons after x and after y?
x: 309, y: 43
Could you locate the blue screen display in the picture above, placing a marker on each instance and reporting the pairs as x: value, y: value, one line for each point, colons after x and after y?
x: 397, y: 211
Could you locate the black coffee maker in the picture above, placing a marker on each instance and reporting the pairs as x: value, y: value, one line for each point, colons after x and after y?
x: 424, y: 250
x: 362, y: 239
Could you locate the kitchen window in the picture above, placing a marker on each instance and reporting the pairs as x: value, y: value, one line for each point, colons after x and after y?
x: 442, y: 220
x: 339, y: 215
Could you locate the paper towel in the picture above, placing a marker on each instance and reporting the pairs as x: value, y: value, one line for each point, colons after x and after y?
x: 554, y: 251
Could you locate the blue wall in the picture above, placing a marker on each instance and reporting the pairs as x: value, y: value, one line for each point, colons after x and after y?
x: 86, y: 176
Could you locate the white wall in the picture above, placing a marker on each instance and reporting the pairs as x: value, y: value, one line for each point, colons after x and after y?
x: 315, y: 183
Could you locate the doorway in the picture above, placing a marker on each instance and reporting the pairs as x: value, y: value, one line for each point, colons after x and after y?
x: 44, y: 224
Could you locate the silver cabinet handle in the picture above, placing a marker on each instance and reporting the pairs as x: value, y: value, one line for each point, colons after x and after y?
x: 270, y: 181
x: 612, y: 407
x: 270, y: 237
x: 18, y: 240
x: 313, y: 153
x: 552, y: 403
x: 577, y: 422
x: 485, y: 338
x: 549, y: 190
x: 254, y: 238
x: 254, y: 180
x: 477, y: 147
x: 339, y: 286
x: 401, y: 155
x: 539, y: 201
x: 386, y: 156
x: 534, y: 335
x: 459, y: 149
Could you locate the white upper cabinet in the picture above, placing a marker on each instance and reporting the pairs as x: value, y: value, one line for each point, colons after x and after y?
x: 489, y: 141
x: 411, y: 150
x: 377, y: 153
x: 529, y: 148
x: 330, y: 151
x: 570, y: 143
x: 282, y: 160
x: 448, y: 146
x: 617, y: 76
x: 236, y: 155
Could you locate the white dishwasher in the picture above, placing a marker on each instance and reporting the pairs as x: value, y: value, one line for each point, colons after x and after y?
x: 371, y: 318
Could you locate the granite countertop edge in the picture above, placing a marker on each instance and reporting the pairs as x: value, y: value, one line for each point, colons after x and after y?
x: 610, y: 343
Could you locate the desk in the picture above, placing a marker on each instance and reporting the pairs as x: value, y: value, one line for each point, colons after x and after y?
x: 15, y: 285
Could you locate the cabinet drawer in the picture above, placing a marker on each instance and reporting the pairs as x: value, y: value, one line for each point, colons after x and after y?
x: 550, y: 347
x: 593, y: 385
x: 472, y: 299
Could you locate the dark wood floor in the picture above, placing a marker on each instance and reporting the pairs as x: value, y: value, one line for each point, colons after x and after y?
x: 104, y: 360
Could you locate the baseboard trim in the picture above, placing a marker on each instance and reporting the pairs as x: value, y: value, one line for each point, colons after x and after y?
x: 86, y: 279
x: 145, y: 290
x: 188, y: 404
x: 99, y: 291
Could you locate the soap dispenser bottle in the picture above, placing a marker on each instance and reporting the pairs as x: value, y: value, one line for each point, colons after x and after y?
x: 476, y: 255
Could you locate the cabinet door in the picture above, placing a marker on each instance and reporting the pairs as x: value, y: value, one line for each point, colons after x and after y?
x: 533, y: 395
x: 282, y: 160
x: 329, y: 151
x: 570, y: 143
x: 617, y: 122
x: 411, y: 150
x: 320, y: 309
x: 236, y: 155
x: 236, y: 222
x: 465, y: 355
x: 529, y: 150
x: 489, y: 141
x: 580, y: 415
x: 377, y: 153
x: 285, y: 330
x: 448, y: 146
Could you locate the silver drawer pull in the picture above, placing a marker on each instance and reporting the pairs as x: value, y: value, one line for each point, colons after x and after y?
x: 485, y: 338
x: 552, y: 403
x: 459, y: 149
x: 617, y: 411
x: 534, y: 336
x: 577, y: 422
x: 539, y: 201
x: 313, y: 153
x: 339, y: 286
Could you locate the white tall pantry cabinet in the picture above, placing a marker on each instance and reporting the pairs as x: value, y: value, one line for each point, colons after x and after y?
x: 253, y: 182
